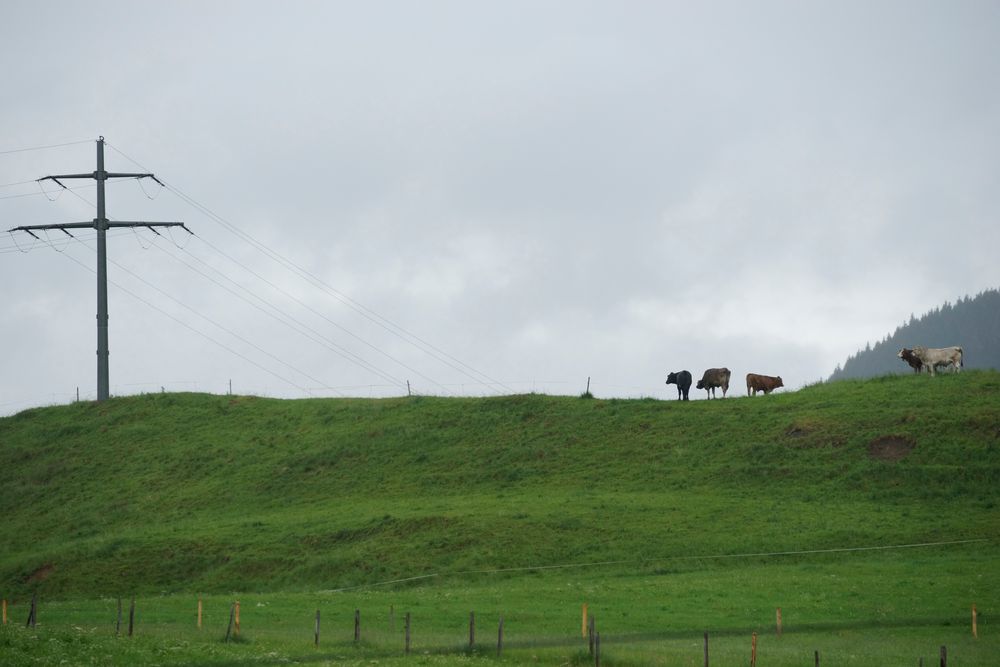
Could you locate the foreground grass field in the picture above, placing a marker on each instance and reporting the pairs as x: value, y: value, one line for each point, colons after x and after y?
x: 526, y: 506
x: 867, y: 610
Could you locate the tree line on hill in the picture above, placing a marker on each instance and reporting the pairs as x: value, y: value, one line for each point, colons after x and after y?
x: 970, y: 323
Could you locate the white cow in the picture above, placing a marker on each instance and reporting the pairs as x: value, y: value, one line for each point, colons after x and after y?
x: 936, y: 357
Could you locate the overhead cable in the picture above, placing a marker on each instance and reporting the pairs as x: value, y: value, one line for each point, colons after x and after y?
x: 318, y: 337
x: 40, y: 148
x: 364, y: 311
x: 200, y: 333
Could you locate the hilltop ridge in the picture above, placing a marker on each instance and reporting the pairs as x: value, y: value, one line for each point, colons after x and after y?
x: 181, y: 492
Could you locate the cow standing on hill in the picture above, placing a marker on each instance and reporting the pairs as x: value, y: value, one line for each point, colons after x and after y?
x: 933, y: 357
x: 764, y: 383
x: 907, y: 355
x: 715, y: 377
x: 683, y: 381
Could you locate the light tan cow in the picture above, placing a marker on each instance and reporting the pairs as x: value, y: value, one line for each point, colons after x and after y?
x: 935, y: 357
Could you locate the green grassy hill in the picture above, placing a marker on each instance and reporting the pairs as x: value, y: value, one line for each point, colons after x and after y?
x: 189, y: 492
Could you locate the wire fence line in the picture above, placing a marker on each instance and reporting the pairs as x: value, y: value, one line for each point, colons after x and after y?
x: 355, y: 390
x: 384, y: 633
x: 650, y: 561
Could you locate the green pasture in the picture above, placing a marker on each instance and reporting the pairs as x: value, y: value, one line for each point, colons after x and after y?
x: 884, y: 608
x: 668, y: 519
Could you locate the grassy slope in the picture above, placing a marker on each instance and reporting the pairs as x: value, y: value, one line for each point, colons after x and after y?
x: 183, y: 492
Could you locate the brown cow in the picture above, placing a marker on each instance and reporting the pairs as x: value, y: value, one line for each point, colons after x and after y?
x: 764, y: 383
x: 715, y: 377
x: 913, y: 360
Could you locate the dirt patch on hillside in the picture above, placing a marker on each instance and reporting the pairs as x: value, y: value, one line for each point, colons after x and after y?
x: 41, y: 574
x: 890, y: 448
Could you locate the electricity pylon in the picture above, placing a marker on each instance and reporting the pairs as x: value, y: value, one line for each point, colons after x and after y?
x: 101, y: 224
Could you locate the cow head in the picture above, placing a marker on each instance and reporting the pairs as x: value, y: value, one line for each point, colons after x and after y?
x: 903, y: 352
x: 780, y: 383
x: 701, y: 384
x: 672, y: 378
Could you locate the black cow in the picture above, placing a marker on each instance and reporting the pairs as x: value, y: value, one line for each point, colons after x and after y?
x: 683, y: 381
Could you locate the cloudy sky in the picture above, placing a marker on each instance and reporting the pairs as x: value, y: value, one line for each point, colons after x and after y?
x: 489, y: 197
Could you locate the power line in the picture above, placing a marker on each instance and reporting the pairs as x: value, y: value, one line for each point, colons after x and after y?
x: 319, y: 314
x: 335, y: 348
x: 284, y: 318
x: 364, y: 311
x: 41, y: 148
x: 216, y: 324
x: 10, y: 185
x: 200, y: 333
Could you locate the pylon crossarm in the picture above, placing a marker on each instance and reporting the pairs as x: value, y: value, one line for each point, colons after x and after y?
x: 120, y: 175
x: 63, y: 226
x: 64, y: 176
x: 120, y: 223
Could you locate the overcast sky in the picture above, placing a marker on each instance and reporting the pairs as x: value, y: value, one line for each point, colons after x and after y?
x: 541, y: 191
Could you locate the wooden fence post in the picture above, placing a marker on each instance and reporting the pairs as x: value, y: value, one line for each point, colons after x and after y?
x: 944, y: 656
x: 975, y: 630
x: 32, y: 611
x: 199, y: 613
x: 392, y: 618
x: 118, y: 623
x: 591, y: 625
x: 472, y: 630
x: 777, y: 618
x: 232, y: 615
x: 131, y: 616
x: 816, y: 654
x: 317, y: 628
x: 583, y: 621
x: 500, y: 636
x: 407, y: 633
x: 357, y: 625
x: 706, y: 649
x: 236, y: 628
x: 753, y: 651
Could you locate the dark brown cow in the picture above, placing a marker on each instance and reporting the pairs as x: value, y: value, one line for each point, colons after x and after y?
x: 913, y: 360
x: 764, y: 383
x: 715, y: 377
